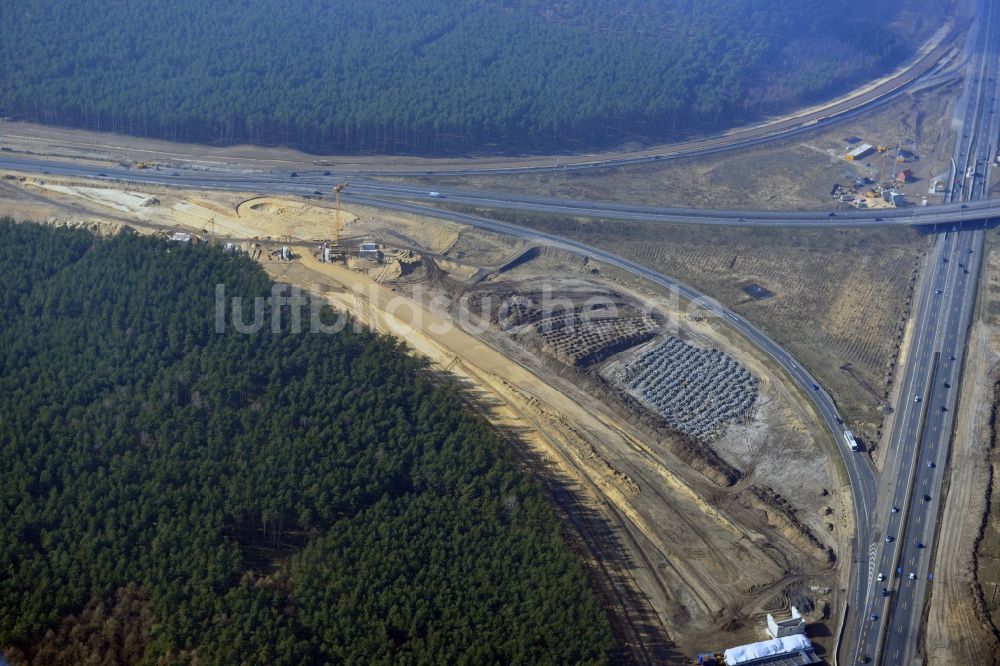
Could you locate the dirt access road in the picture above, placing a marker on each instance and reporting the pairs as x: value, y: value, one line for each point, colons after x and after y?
x: 683, y: 562
x: 676, y: 537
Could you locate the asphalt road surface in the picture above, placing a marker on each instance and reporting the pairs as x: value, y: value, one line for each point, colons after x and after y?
x: 268, y: 182
x: 922, y: 427
x: 887, y: 625
x: 860, y: 472
x: 924, y: 65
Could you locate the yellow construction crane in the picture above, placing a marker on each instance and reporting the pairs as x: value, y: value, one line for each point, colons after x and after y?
x: 337, y: 189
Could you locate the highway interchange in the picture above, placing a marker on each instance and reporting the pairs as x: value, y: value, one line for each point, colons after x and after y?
x: 884, y: 618
x: 317, y: 184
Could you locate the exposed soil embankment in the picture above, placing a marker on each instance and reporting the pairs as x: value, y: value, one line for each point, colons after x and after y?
x: 664, y: 519
x: 781, y: 516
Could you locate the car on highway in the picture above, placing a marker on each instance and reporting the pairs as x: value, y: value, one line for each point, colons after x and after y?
x: 913, y: 576
x: 931, y: 464
x: 885, y: 591
x: 888, y: 538
x: 916, y: 398
x: 937, y: 291
x: 878, y: 219
x: 881, y: 577
x: 436, y: 195
x: 927, y: 498
x: 918, y: 544
x: 874, y: 617
x: 815, y: 387
x: 317, y: 193
x: 327, y: 173
x: 832, y: 215
x: 294, y: 174
x: 964, y: 206
x: 174, y: 173
x: 895, y: 509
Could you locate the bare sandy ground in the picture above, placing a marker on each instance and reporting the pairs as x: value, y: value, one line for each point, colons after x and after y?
x: 681, y: 533
x: 683, y: 563
x: 957, y: 625
x: 955, y: 630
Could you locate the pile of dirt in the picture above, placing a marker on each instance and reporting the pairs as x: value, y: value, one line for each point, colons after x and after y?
x: 99, y: 228
x: 781, y: 516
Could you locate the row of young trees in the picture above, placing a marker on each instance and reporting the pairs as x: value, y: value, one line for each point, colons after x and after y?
x: 428, y: 76
x: 172, y: 494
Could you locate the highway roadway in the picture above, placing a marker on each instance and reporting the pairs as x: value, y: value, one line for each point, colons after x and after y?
x: 931, y: 65
x: 860, y: 473
x: 926, y: 64
x: 921, y: 428
x: 284, y: 183
x: 887, y: 628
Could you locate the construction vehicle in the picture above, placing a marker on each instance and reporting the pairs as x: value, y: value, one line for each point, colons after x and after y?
x: 143, y: 165
x: 882, y: 149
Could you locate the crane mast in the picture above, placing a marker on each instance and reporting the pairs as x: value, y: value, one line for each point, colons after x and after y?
x: 337, y: 189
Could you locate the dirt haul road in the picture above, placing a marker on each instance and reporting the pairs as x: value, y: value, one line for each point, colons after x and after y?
x: 676, y: 556
x: 694, y: 563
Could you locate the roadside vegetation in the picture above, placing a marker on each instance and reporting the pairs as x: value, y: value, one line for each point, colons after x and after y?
x: 436, y: 76
x: 176, y: 495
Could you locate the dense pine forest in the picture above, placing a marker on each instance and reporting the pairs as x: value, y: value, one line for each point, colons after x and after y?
x: 437, y: 76
x: 171, y: 494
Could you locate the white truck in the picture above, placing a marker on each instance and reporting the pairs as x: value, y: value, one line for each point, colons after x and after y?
x: 851, y: 442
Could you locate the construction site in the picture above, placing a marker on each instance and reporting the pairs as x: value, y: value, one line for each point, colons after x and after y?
x: 672, y: 447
